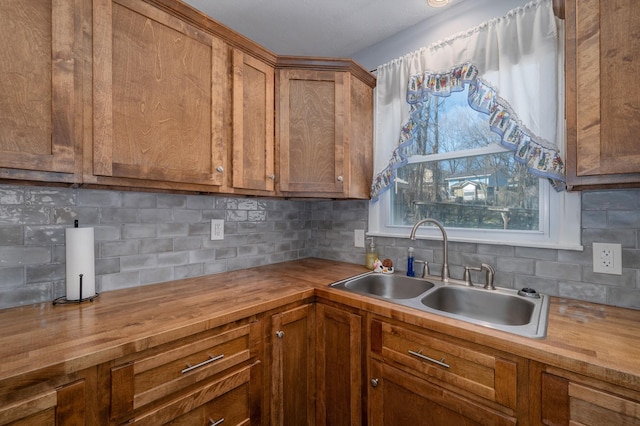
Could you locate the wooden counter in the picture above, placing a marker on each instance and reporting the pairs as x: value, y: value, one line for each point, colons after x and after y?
x: 596, y: 340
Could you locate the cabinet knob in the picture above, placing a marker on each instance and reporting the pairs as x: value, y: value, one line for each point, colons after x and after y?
x: 279, y: 334
x: 220, y: 169
x: 340, y: 178
x: 374, y: 382
x: 272, y: 177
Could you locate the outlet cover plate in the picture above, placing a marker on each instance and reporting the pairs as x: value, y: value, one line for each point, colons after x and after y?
x: 358, y: 238
x: 217, y: 229
x: 607, y: 258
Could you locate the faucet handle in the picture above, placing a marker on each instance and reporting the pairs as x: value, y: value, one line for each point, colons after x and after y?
x: 467, y: 274
x: 491, y: 273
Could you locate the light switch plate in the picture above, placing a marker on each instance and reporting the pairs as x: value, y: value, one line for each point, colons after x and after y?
x: 217, y: 229
x: 358, y: 238
x: 607, y: 258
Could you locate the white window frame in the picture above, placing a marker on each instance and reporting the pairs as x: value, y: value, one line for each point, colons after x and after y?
x: 559, y: 217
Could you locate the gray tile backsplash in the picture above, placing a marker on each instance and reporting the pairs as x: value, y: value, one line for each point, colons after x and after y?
x: 143, y: 238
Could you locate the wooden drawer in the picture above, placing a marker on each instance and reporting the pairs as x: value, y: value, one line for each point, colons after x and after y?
x: 176, y: 366
x: 459, y: 366
x: 224, y: 401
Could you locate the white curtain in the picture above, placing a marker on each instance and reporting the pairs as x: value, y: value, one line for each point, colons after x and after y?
x: 518, y: 55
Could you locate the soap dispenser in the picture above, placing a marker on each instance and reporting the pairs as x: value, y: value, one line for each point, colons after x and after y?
x: 410, y: 271
x: 372, y: 255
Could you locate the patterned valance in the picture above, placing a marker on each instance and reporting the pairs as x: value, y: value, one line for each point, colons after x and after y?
x: 540, y: 157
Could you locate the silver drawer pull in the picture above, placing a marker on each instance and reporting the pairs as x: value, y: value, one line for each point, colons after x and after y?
x: 426, y: 358
x: 215, y: 423
x: 203, y: 363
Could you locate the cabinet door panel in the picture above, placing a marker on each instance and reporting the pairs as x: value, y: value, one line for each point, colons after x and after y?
x: 339, y: 367
x: 292, y: 381
x: 253, y: 123
x: 64, y: 406
x: 39, y: 86
x: 159, y: 96
x: 399, y: 398
x: 565, y: 402
x: 603, y: 94
x: 312, y: 130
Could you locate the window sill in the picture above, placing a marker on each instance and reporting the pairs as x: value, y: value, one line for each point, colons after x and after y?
x: 543, y: 245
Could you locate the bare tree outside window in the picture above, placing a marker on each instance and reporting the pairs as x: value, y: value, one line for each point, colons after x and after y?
x: 457, y: 174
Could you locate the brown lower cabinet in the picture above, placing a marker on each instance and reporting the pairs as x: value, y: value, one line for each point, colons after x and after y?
x: 560, y: 398
x: 400, y: 398
x: 62, y: 406
x: 292, y: 396
x: 339, y: 367
x: 450, y: 380
x: 208, y: 375
x: 318, y: 364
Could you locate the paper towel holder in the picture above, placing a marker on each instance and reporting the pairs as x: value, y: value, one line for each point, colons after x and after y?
x: 80, y: 299
x: 63, y: 300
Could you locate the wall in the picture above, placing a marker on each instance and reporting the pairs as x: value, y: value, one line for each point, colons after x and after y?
x: 607, y: 216
x: 140, y: 238
x: 144, y: 238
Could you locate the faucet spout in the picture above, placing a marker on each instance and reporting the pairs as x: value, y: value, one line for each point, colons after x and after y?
x: 445, y: 244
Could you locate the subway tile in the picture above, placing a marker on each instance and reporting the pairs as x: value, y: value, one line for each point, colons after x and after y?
x: 51, y: 196
x: 11, y: 195
x: 558, y: 270
x: 156, y: 275
x: 139, y: 200
x: 11, y: 235
x: 42, y: 235
x: 156, y: 245
x: 86, y: 216
x: 22, y: 215
x: 24, y: 255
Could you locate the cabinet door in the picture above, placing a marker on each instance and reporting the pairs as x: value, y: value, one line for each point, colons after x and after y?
x: 570, y: 401
x: 64, y: 406
x: 253, y: 123
x: 293, y: 367
x: 160, y: 96
x: 311, y: 131
x: 40, y: 91
x: 339, y: 367
x: 398, y: 398
x: 603, y: 92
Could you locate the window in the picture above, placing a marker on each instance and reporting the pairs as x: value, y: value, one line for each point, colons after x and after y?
x: 461, y: 176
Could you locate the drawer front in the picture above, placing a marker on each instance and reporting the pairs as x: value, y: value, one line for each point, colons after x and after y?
x: 460, y: 367
x: 164, y: 372
x: 225, y: 399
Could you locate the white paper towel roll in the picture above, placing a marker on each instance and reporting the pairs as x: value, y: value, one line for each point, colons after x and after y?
x: 80, y: 260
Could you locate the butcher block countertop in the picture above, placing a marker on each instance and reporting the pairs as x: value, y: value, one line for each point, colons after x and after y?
x: 596, y: 340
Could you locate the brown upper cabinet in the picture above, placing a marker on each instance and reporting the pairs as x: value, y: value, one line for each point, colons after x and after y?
x: 40, y: 92
x: 159, y: 99
x: 602, y: 93
x: 155, y: 95
x: 324, y: 128
x: 253, y: 163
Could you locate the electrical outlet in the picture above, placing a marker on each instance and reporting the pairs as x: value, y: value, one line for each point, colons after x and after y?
x: 217, y: 229
x: 358, y: 238
x: 607, y: 258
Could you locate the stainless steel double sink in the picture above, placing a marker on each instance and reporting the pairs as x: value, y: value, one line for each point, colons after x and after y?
x: 523, y: 312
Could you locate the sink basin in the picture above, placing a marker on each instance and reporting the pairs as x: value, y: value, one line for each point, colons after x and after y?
x: 524, y: 313
x: 389, y: 286
x: 481, y: 305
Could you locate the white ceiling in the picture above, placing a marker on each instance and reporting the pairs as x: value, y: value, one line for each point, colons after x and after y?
x: 331, y: 28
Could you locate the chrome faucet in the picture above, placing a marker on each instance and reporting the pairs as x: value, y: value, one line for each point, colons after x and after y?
x: 445, y: 245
